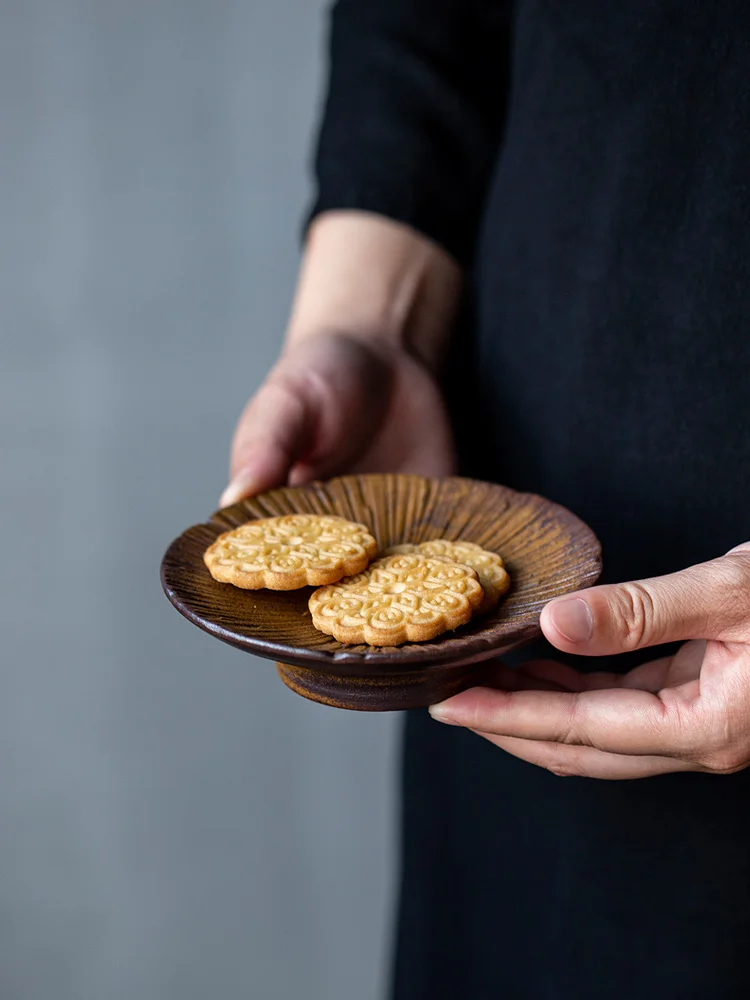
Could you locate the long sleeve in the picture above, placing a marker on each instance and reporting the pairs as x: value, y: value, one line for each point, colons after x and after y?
x: 414, y: 112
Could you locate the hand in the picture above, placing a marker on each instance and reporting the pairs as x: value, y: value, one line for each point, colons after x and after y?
x: 336, y: 404
x: 687, y: 712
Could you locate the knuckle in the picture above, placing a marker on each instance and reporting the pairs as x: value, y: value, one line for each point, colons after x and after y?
x: 561, y: 765
x: 564, y: 762
x: 569, y: 731
x: 735, y: 571
x: 281, y: 382
x: 726, y: 761
x: 736, y: 568
x: 721, y: 739
x: 731, y: 588
x: 638, y: 614
x: 728, y: 757
x: 568, y: 768
x: 561, y: 771
x: 744, y: 547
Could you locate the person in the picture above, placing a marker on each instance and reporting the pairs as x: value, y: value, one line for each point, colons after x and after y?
x: 529, y: 260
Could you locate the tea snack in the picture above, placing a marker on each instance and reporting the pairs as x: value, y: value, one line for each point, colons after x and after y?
x: 489, y: 565
x: 401, y: 598
x: 289, y: 552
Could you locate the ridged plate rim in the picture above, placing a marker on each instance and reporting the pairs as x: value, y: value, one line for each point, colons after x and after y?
x: 454, y: 648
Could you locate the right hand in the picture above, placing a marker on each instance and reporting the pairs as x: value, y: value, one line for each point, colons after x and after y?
x: 334, y: 404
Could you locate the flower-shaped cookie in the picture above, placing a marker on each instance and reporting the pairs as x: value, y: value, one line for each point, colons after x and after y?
x: 402, y: 598
x: 289, y: 552
x: 489, y: 565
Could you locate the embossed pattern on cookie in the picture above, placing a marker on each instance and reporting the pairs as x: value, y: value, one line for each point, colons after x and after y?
x: 289, y: 552
x: 401, y: 598
x: 489, y: 565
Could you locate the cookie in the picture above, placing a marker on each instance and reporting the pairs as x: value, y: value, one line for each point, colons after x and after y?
x: 289, y: 552
x: 489, y: 566
x: 402, y: 598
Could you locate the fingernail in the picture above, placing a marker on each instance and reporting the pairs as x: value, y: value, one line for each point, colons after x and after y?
x: 239, y: 488
x: 573, y: 620
x: 440, y: 714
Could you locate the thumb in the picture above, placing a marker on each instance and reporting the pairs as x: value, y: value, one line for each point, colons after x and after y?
x: 272, y: 433
x: 707, y: 601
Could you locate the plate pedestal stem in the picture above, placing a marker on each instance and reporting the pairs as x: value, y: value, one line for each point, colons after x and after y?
x: 410, y: 689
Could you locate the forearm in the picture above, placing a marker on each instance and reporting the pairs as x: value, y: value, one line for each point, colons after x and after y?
x: 410, y: 132
x: 368, y: 277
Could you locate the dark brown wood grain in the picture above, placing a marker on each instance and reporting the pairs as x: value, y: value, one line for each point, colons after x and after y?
x: 548, y: 552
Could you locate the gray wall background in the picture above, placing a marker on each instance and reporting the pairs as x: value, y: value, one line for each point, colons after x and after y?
x: 173, y: 822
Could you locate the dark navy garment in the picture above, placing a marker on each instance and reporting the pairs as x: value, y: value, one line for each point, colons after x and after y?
x: 588, y: 162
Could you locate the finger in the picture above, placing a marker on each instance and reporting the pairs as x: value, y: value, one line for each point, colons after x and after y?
x: 616, y: 721
x: 587, y: 762
x: 648, y: 677
x: 317, y: 411
x: 668, y: 671
x: 560, y: 674
x: 651, y: 676
x: 708, y: 601
x: 272, y: 432
x: 495, y: 674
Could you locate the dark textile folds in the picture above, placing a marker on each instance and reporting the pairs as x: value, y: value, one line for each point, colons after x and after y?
x: 589, y: 163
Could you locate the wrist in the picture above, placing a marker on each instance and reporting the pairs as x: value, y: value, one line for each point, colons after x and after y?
x: 376, y: 281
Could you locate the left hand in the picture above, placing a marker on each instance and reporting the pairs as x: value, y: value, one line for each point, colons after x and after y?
x: 687, y: 712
